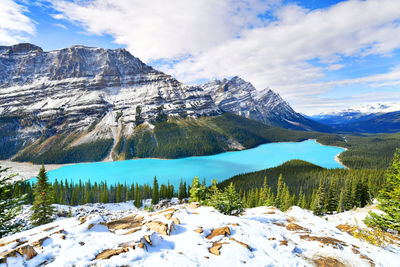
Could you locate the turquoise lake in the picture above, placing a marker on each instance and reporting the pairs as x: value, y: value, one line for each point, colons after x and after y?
x: 220, y: 166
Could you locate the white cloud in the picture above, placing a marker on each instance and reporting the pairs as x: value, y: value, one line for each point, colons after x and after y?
x: 14, y: 25
x: 156, y: 29
x: 62, y: 26
x: 215, y: 39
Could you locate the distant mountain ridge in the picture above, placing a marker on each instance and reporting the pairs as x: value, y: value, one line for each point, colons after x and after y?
x: 242, y: 98
x: 359, y: 122
x: 87, y: 100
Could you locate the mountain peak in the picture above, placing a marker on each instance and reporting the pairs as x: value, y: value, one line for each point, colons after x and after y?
x: 22, y: 48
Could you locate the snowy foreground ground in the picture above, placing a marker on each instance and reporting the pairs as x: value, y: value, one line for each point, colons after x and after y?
x: 187, y: 235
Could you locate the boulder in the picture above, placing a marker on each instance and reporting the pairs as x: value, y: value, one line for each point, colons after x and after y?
x: 176, y: 220
x: 219, y: 231
x: 129, y: 222
x: 108, y: 253
x: 295, y: 227
x: 215, y: 249
x: 159, y: 227
x: 199, y: 230
x: 147, y: 239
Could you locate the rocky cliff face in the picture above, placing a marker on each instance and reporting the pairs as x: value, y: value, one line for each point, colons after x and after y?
x: 88, y: 101
x: 66, y: 91
x: 242, y: 98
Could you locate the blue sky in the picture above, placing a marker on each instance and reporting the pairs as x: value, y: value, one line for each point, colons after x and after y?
x: 319, y: 55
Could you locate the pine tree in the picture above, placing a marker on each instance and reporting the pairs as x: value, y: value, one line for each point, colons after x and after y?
x: 347, y: 198
x: 301, y: 195
x: 155, y: 196
x: 318, y: 205
x: 118, y: 195
x: 42, y: 211
x: 9, y: 206
x: 138, y: 198
x: 197, y: 191
x: 182, y: 191
x: 332, y: 200
x: 74, y: 197
x: 228, y: 202
x: 279, y: 192
x: 389, y: 199
x: 286, y: 199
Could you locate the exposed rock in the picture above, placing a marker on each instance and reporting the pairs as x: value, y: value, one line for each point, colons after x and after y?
x: 241, y: 243
x: 295, y: 227
x: 199, y: 230
x: 345, y: 228
x: 142, y: 245
x: 283, y: 242
x: 133, y: 231
x: 91, y: 92
x: 83, y: 219
x: 176, y: 220
x: 129, y: 222
x: 219, y: 231
x: 81, y: 243
x: 147, y: 239
x: 241, y: 98
x: 371, y: 262
x: 168, y: 215
x: 328, y: 262
x: 158, y: 227
x: 108, y: 253
x: 215, y: 249
x: 336, y: 243
x: 38, y: 243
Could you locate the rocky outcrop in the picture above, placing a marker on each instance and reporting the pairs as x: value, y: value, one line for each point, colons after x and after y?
x: 88, y: 91
x: 240, y: 97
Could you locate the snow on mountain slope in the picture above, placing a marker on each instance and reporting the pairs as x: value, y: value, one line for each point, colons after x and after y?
x: 187, y: 235
x: 241, y: 97
x: 43, y: 94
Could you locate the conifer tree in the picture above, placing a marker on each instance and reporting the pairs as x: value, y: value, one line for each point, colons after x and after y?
x: 286, y: 199
x: 42, y: 211
x: 301, y: 194
x: 155, y: 196
x: 347, y: 198
x: 279, y: 191
x: 182, y: 190
x: 138, y: 198
x: 197, y: 191
x: 389, y: 200
x: 234, y: 205
x: 9, y: 206
x: 331, y: 200
x: 118, y: 195
x: 304, y: 204
x: 74, y: 197
x: 318, y: 205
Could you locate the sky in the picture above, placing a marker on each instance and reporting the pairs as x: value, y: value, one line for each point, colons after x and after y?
x: 320, y: 55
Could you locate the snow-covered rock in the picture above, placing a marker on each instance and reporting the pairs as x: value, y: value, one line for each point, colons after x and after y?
x: 69, y: 90
x: 196, y: 236
x: 242, y: 98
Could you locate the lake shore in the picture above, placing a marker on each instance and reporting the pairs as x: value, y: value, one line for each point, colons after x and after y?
x: 25, y: 170
x: 337, y: 159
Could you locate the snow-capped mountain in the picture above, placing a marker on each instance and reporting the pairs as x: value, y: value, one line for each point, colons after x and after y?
x: 240, y: 97
x: 188, y: 235
x: 72, y: 89
x: 368, y: 118
x: 89, y: 99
